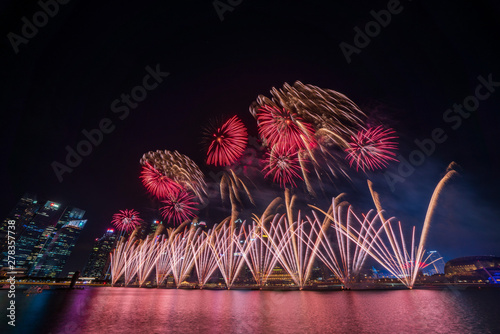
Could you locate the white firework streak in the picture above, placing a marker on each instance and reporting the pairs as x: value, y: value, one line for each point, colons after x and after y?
x: 147, y: 258
x: 183, y: 254
x: 204, y: 260
x: 229, y: 252
x: 260, y: 257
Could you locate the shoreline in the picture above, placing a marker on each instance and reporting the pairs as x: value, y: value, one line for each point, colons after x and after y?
x: 332, y: 287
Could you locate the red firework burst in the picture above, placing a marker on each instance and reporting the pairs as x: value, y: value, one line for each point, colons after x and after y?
x: 284, y: 166
x: 179, y: 206
x: 284, y: 129
x: 126, y: 220
x: 156, y: 183
x: 226, y: 142
x: 372, y: 148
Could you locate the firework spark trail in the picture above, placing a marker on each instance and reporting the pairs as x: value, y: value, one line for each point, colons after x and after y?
x: 263, y: 251
x: 163, y: 265
x: 230, y: 188
x: 179, y: 168
x: 228, y: 250
x: 450, y: 172
x: 289, y: 205
x: 261, y: 258
x: 418, y: 255
x: 226, y: 141
x: 293, y: 246
x: 183, y: 254
x: 131, y: 264
x: 289, y: 242
x: 147, y: 257
x: 371, y: 239
x: 277, y: 236
x: 118, y: 258
x: 323, y: 108
x: 333, y: 117
x: 372, y: 148
x: 378, y: 206
x: 344, y: 259
x: 374, y: 236
x: 204, y: 260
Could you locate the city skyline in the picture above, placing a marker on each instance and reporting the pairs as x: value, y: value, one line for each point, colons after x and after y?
x: 46, y: 233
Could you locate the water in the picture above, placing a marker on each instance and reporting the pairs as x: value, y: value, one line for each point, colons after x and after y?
x: 132, y: 310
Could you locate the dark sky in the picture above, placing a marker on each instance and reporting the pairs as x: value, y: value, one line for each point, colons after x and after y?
x: 64, y: 78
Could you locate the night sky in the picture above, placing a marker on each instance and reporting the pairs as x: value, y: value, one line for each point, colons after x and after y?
x: 64, y: 78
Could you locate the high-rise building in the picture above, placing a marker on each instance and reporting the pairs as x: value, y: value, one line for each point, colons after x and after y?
x: 22, y: 214
x: 29, y: 241
x: 56, y: 251
x: 45, y: 235
x: 98, y: 262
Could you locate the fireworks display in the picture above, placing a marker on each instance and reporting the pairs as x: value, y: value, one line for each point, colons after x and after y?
x: 157, y: 183
x: 316, y: 122
x: 226, y: 142
x: 342, y: 242
x: 372, y: 148
x: 300, y: 126
x: 283, y: 166
x: 175, y: 167
x: 333, y: 116
x: 126, y: 220
x: 284, y: 130
x: 178, y: 206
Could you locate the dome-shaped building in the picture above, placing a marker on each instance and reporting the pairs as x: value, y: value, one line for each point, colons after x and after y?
x: 486, y: 267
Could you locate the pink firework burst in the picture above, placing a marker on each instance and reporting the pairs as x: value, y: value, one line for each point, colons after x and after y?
x: 372, y: 148
x: 156, y: 183
x: 283, y: 166
x: 178, y: 206
x: 126, y: 220
x: 226, y: 141
x: 284, y: 129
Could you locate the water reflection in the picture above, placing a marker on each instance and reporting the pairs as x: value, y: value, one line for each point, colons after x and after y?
x: 130, y: 310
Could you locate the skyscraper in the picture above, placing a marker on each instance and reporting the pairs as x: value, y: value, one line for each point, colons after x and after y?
x: 56, y: 251
x: 45, y: 235
x: 29, y: 240
x: 98, y: 262
x: 22, y: 214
